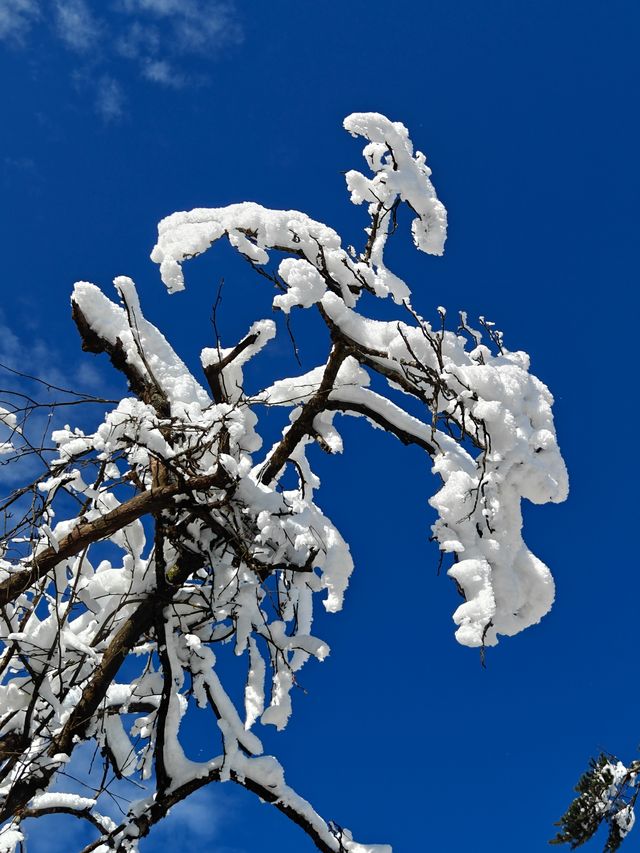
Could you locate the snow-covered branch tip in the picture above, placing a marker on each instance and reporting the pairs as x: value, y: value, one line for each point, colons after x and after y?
x: 607, y: 794
x: 155, y: 541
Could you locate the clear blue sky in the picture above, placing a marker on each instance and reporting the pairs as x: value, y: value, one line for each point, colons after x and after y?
x: 528, y: 114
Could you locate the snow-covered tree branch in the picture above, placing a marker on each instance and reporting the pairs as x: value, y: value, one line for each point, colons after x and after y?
x: 166, y: 530
x: 607, y: 793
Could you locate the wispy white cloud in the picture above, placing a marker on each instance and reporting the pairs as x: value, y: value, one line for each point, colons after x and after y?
x: 26, y: 348
x: 157, y: 7
x: 193, y: 26
x: 109, y: 102
x: 166, y: 41
x: 204, y: 817
x: 16, y: 18
x: 76, y: 25
x: 137, y: 39
x: 160, y: 34
x: 21, y: 164
x: 160, y: 71
x: 204, y: 821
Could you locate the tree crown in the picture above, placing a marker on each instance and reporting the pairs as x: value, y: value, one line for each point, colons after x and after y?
x: 179, y: 534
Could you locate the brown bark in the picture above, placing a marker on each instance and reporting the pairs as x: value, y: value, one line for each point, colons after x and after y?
x: 87, y: 532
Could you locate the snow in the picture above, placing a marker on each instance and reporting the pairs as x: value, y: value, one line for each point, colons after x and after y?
x: 10, y: 838
x: 254, y: 690
x: 262, y: 550
x: 231, y: 375
x: 127, y: 326
x: 187, y: 234
x: 51, y: 800
x: 8, y: 418
x: 305, y: 285
x: 506, y: 587
x: 398, y: 173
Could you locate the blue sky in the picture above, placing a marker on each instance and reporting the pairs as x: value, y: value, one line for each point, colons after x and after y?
x: 118, y: 113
